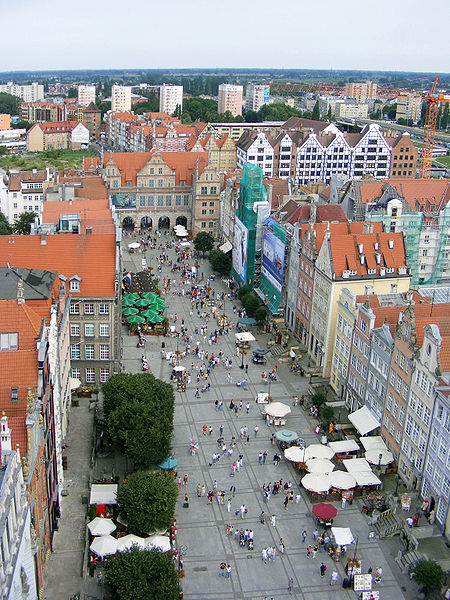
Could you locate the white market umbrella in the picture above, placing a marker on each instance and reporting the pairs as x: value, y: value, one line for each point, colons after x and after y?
x: 341, y: 480
x: 379, y: 457
x: 134, y: 245
x: 319, y: 465
x: 294, y: 454
x: 245, y: 336
x: 101, y: 526
x: 179, y: 369
x: 318, y: 451
x: 158, y: 541
x: 316, y: 483
x: 75, y: 383
x: 373, y: 442
x: 277, y: 409
x: 342, y: 536
x: 104, y: 545
x: 127, y: 541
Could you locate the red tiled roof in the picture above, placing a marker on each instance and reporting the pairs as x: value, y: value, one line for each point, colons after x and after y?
x: 338, y: 230
x: 16, y: 179
x: 330, y: 213
x: 57, y: 126
x: 92, y: 257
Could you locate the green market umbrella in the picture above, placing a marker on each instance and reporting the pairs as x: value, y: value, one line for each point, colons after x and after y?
x: 142, y: 302
x: 128, y: 302
x: 156, y: 319
x: 129, y: 310
x: 135, y: 319
x: 148, y: 313
x: 285, y: 435
x: 130, y: 297
x: 149, y: 295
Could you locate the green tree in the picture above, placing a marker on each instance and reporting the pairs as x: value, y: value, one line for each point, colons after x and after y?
x: 147, y: 501
x: 204, y: 242
x: 22, y: 225
x: 243, y: 291
x: 72, y: 93
x: 316, y: 111
x: 251, y: 304
x: 261, y: 314
x: 327, y: 413
x: 429, y: 574
x: 142, y: 575
x: 21, y: 125
x: 5, y: 227
x: 220, y: 262
x: 444, y: 119
x: 329, y: 114
x: 318, y: 399
x: 9, y: 104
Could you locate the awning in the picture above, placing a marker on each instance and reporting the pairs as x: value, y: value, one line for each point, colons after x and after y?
x: 373, y: 442
x: 363, y: 420
x: 366, y: 478
x: 245, y: 336
x: 356, y: 465
x: 342, y: 480
x: 342, y: 536
x: 316, y: 483
x: 344, y: 446
x: 103, y: 493
x: 225, y: 247
x: 277, y: 410
x: 378, y: 456
x: 247, y: 321
x: 185, y: 244
x: 318, y: 451
x: 319, y: 465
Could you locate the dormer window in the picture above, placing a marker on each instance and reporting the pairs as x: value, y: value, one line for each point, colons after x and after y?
x: 75, y: 283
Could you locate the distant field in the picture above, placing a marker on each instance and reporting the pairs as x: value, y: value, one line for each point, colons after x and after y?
x: 442, y: 160
x: 60, y: 159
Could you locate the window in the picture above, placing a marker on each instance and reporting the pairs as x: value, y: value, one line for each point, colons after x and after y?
x: 104, y: 330
x: 75, y: 309
x: 14, y: 394
x: 445, y: 487
x: 75, y: 351
x: 389, y: 402
x: 104, y: 351
x: 74, y: 285
x: 103, y: 309
x: 9, y: 341
x: 418, y: 463
x: 408, y: 426
x: 104, y: 375
x: 443, y: 449
x: 422, y: 442
x: 186, y: 201
x: 203, y: 190
x: 89, y: 352
x: 178, y: 200
x: 401, y: 416
x: 395, y: 409
x: 75, y: 330
x: 76, y: 373
x: 88, y: 309
x: 405, y: 392
x: 90, y: 375
x: 89, y: 329
x: 160, y: 200
x: 168, y: 200
x: 203, y: 225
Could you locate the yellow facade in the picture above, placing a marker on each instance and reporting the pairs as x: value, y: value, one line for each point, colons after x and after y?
x: 345, y: 321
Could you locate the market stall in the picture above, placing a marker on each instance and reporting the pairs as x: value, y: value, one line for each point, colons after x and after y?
x: 341, y: 537
x: 363, y: 421
x: 286, y: 438
x: 344, y: 448
x: 295, y: 454
x: 379, y: 457
x: 373, y: 442
x: 276, y: 412
x: 319, y: 465
x: 262, y: 398
x: 324, y: 513
x: 317, y: 484
x: 318, y: 451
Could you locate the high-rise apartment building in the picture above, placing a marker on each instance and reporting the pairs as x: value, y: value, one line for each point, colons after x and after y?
x: 230, y: 98
x: 256, y: 96
x: 86, y: 94
x: 28, y: 93
x: 409, y: 107
x: 361, y: 91
x: 170, y: 97
x: 120, y: 98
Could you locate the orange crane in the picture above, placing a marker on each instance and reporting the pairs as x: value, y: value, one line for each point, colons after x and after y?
x: 433, y: 99
x: 318, y: 88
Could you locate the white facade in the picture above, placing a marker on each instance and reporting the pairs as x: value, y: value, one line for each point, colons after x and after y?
x: 260, y: 153
x: 80, y: 135
x: 86, y: 94
x: 230, y: 98
x: 30, y: 198
x: 120, y: 98
x: 170, y: 97
x: 28, y: 93
x: 17, y: 574
x: 256, y: 95
x: 409, y: 107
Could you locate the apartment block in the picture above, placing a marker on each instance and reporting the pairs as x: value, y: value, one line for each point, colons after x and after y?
x: 404, y: 158
x: 409, y: 108
x: 361, y: 91
x: 230, y: 99
x: 170, y: 98
x: 92, y: 118
x: 28, y: 93
x: 256, y: 95
x: 5, y: 121
x: 120, y: 98
x: 24, y: 192
x: 57, y: 136
x: 42, y: 112
x: 86, y: 94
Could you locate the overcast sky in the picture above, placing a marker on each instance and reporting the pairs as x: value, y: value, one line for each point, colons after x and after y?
x: 318, y: 34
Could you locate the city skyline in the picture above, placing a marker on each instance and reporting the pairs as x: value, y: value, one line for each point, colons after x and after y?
x: 310, y: 37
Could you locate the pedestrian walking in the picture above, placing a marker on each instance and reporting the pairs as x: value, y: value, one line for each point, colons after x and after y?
x: 323, y: 570
x: 286, y: 502
x: 308, y: 552
x: 228, y: 572
x: 315, y: 551
x: 273, y: 520
x: 232, y: 491
x: 197, y: 395
x: 304, y: 534
x: 222, y: 568
x: 264, y: 555
x: 256, y: 429
x: 264, y: 457
x: 243, y: 510
x: 185, y: 480
x: 334, y: 577
x: 260, y: 458
x: 282, y: 546
x: 315, y: 534
x: 290, y: 584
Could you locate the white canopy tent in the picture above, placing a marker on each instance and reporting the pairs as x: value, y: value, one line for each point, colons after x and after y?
x: 294, y: 454
x: 226, y: 247
x: 363, y: 420
x: 244, y: 336
x: 316, y: 483
x: 343, y: 446
x: 319, y: 465
x: 342, y: 536
x: 356, y: 465
x: 373, y: 442
x: 134, y: 245
x: 158, y: 541
x: 105, y: 545
x: 103, y: 493
x: 379, y: 457
x: 341, y: 480
x: 101, y: 526
x: 277, y: 409
x: 318, y: 451
x: 75, y: 383
x: 366, y: 478
x: 185, y: 244
x: 130, y: 540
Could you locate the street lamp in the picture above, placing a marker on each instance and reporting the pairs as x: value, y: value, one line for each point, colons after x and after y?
x: 397, y: 481
x: 270, y: 383
x: 241, y: 366
x: 380, y: 456
x: 356, y: 548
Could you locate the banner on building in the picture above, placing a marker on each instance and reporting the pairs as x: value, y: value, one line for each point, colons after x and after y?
x: 240, y: 242
x: 273, y: 259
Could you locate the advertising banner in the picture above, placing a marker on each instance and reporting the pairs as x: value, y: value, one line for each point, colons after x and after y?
x: 240, y: 242
x: 273, y: 259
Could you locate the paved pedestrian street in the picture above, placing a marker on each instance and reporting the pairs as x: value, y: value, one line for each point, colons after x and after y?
x: 202, y: 535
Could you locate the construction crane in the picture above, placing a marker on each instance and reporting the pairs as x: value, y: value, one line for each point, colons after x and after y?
x: 433, y: 99
x: 318, y: 88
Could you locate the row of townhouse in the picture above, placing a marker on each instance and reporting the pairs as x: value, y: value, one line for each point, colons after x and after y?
x: 161, y: 189
x: 67, y: 110
x: 305, y: 152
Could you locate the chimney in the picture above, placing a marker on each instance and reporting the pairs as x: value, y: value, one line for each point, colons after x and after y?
x: 20, y: 296
x: 43, y: 239
x: 368, y: 228
x: 391, y: 244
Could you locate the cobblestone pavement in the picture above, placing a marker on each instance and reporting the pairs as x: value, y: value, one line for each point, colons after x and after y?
x: 201, y: 527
